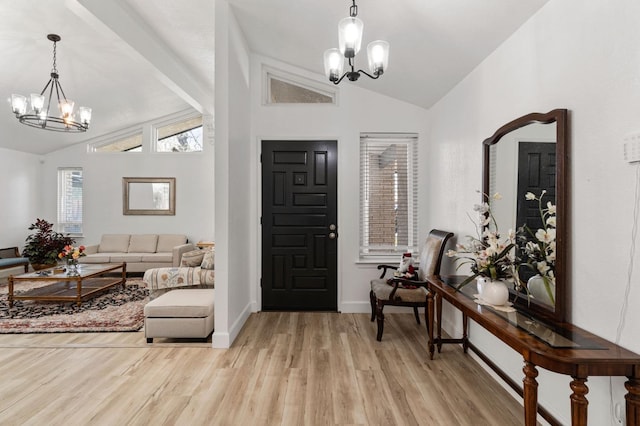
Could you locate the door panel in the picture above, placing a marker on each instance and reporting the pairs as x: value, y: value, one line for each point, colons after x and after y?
x: 299, y: 203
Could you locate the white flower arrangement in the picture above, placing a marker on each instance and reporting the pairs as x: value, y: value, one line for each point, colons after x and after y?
x: 540, y: 246
x: 487, y: 254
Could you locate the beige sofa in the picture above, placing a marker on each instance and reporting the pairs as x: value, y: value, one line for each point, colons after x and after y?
x: 139, y: 251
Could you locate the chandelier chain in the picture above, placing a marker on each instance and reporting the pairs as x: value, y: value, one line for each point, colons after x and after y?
x: 54, y: 70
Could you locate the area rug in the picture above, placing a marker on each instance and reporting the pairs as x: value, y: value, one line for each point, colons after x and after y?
x: 116, y: 310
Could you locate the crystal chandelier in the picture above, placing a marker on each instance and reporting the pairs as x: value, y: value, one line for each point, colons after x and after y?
x: 349, y: 41
x: 41, y: 117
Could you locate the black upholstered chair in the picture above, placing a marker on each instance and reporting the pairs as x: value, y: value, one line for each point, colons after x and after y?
x: 403, y: 292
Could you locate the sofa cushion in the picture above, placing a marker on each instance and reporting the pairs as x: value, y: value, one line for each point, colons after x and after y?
x: 192, y: 258
x: 157, y: 257
x: 144, y: 243
x: 208, y: 261
x: 96, y: 258
x: 126, y: 257
x: 114, y: 243
x: 166, y: 242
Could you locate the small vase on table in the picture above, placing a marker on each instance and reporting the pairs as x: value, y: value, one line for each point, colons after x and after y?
x: 72, y: 267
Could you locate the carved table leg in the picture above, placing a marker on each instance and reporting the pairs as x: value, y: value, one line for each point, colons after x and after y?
x: 530, y: 393
x: 579, y: 402
x: 465, y: 337
x: 430, y: 323
x: 633, y: 401
x: 439, y: 310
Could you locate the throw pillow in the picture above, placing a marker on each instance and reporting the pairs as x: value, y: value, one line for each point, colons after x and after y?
x: 192, y: 258
x: 208, y: 261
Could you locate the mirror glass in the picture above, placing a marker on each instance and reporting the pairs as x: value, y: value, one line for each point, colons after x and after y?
x: 527, y: 156
x: 148, y: 196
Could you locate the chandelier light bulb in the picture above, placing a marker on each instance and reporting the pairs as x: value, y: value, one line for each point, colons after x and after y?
x: 378, y: 54
x: 350, y: 36
x: 19, y: 104
x: 85, y: 115
x: 333, y: 64
x: 37, y: 102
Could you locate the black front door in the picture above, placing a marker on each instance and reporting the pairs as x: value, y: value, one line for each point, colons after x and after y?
x: 299, y: 225
x: 536, y: 172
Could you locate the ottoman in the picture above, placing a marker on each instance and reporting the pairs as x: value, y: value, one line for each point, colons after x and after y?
x: 184, y: 313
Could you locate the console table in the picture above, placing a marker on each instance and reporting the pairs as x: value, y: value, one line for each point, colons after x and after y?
x: 561, y: 348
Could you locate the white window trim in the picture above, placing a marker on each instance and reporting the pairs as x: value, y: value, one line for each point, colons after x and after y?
x: 411, y: 140
x: 269, y: 72
x: 148, y: 131
x: 59, y: 224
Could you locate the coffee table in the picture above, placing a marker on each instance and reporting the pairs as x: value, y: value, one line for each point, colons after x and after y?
x: 61, y: 287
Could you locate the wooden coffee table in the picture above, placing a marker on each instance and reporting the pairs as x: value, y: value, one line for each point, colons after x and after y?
x: 61, y: 287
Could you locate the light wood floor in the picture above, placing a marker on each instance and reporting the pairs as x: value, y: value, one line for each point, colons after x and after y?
x: 283, y: 369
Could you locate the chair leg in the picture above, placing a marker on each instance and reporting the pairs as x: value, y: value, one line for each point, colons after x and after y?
x: 415, y: 313
x: 380, y: 317
x: 372, y: 298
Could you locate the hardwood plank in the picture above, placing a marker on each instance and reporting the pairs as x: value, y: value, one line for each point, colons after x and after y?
x: 285, y: 368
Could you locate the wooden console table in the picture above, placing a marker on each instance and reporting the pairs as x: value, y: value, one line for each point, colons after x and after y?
x: 563, y: 348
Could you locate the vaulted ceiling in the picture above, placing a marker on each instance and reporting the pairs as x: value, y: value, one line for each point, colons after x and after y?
x: 138, y: 60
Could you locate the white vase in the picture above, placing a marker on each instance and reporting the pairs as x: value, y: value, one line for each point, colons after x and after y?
x: 494, y: 292
x: 538, y: 290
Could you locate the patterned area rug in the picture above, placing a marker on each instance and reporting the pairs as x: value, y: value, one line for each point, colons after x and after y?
x: 115, y: 310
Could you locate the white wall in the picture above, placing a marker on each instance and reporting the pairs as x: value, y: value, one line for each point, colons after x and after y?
x: 358, y: 110
x: 583, y: 56
x: 102, y: 191
x: 20, y: 199
x: 233, y: 179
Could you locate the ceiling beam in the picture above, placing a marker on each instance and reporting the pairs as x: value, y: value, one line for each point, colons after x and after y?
x: 119, y: 18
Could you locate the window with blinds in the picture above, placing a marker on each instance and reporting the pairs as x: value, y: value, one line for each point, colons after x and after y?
x: 388, y: 194
x: 70, y: 201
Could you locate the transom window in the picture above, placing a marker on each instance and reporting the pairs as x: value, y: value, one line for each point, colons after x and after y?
x: 184, y: 136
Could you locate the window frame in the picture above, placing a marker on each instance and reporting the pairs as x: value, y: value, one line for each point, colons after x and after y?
x: 61, y: 215
x: 368, y: 252
x: 269, y: 73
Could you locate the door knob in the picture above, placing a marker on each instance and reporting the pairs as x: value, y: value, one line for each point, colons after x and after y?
x: 332, y: 235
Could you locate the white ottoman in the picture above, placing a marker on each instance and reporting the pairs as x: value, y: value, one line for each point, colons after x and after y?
x: 182, y: 313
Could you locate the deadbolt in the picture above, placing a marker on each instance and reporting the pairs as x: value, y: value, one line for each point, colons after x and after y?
x: 332, y: 227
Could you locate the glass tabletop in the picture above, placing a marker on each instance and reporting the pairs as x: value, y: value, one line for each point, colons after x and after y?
x: 552, y: 335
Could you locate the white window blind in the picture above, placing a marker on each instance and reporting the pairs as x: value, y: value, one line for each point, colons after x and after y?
x: 388, y: 194
x: 70, y: 201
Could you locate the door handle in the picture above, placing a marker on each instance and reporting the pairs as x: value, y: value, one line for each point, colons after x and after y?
x: 333, y: 235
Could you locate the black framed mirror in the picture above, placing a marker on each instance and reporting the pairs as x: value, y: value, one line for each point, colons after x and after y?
x: 529, y: 155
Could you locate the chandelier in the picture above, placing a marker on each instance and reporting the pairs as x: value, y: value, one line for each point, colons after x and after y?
x: 41, y: 117
x: 349, y: 41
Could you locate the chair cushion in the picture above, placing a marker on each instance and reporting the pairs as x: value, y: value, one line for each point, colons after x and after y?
x: 166, y: 242
x: 145, y: 243
x: 208, y: 261
x: 382, y: 291
x: 114, y: 243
